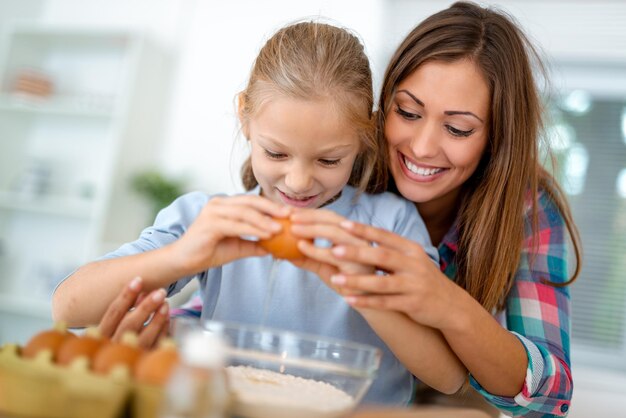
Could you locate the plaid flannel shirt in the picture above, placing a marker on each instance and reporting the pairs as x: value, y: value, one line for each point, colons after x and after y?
x: 536, y: 313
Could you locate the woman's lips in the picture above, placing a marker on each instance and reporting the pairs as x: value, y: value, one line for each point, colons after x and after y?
x: 297, y: 202
x: 417, y: 172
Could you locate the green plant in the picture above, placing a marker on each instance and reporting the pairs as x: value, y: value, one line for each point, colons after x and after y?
x: 158, y: 189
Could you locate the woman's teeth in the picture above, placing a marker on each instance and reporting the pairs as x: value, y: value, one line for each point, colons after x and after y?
x: 419, y: 170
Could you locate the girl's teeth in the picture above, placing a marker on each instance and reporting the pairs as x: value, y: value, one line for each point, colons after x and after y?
x: 421, y: 171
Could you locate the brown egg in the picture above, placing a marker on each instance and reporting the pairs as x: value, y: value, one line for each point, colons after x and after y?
x: 86, y: 345
x: 156, y: 366
x: 47, y: 340
x: 284, y: 244
x: 123, y: 353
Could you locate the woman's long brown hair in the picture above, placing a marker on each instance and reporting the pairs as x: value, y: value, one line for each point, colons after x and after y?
x: 492, y: 209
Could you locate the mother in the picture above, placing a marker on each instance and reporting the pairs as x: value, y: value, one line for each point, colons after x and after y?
x: 462, y: 117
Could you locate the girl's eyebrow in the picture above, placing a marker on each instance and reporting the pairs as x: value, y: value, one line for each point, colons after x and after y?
x: 447, y: 112
x: 336, y: 148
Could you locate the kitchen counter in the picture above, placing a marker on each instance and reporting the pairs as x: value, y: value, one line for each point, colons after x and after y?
x: 420, y: 412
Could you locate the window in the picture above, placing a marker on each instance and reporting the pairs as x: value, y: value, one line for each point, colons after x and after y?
x: 588, y: 136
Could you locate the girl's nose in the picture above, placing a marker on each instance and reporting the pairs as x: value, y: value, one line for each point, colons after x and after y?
x: 298, y: 179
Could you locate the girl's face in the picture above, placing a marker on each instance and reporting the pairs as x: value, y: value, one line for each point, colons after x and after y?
x: 302, y: 151
x: 437, y: 130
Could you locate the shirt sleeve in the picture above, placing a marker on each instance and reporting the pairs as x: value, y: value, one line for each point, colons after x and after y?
x: 539, y: 315
x: 170, y: 224
x: 407, y: 223
x: 191, y: 308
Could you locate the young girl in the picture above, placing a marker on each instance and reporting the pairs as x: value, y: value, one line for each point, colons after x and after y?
x: 307, y: 114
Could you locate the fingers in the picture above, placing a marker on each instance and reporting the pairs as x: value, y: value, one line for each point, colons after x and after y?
x: 331, y: 232
x: 320, y: 254
x: 371, y: 284
x: 379, y: 257
x: 120, y: 307
x: 399, y: 303
x: 255, y: 209
x: 135, y: 320
x: 380, y: 236
x: 159, y: 323
x: 309, y: 216
x: 259, y: 203
x: 238, y: 220
x: 321, y: 223
x: 323, y: 270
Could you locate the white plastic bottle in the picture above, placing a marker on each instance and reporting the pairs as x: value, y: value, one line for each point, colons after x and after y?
x: 198, y: 387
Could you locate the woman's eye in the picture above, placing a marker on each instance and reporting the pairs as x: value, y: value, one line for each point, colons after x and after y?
x: 274, y: 155
x: 329, y: 162
x: 458, y: 132
x: 407, y: 115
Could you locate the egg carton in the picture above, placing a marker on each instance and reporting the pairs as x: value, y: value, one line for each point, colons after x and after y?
x: 38, y: 388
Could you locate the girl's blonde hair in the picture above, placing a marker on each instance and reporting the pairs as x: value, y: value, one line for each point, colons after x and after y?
x: 318, y: 61
x: 491, y: 214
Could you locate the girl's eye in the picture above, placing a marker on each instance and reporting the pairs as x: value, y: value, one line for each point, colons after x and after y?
x: 458, y: 132
x: 407, y: 115
x: 274, y: 155
x: 329, y: 163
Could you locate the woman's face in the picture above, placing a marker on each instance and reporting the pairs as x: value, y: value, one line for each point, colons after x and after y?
x: 437, y: 130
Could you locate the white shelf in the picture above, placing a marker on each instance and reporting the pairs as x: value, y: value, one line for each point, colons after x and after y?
x: 62, y: 106
x: 90, y: 135
x: 19, y: 305
x: 47, y: 205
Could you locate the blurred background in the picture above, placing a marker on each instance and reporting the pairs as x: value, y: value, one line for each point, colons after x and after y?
x: 110, y: 109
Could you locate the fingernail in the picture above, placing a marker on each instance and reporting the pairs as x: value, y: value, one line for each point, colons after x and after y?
x: 350, y: 300
x: 164, y: 309
x: 347, y: 224
x: 159, y: 295
x: 338, y: 279
x: 135, y: 284
x: 339, y: 250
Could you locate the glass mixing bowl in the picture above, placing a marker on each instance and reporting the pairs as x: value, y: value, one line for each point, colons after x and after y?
x: 275, y: 373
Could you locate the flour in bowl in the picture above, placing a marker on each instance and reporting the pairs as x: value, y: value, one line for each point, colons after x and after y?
x: 263, y: 393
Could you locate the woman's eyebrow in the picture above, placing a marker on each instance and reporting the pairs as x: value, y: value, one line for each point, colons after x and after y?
x: 418, y: 101
x: 447, y: 112
x: 460, y: 112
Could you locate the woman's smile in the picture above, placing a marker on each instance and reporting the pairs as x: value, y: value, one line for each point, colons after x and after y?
x: 419, y: 172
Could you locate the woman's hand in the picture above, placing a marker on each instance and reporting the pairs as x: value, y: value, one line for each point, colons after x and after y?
x: 149, y: 319
x: 215, y: 237
x: 325, y: 224
x: 413, y: 284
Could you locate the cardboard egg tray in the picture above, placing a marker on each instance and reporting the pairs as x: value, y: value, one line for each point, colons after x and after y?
x: 37, y: 388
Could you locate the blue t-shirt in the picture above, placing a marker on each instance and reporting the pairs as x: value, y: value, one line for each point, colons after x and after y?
x: 301, y: 302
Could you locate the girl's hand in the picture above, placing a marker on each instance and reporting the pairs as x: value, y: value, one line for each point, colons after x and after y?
x: 215, y: 239
x: 414, y: 284
x: 149, y: 319
x: 321, y: 223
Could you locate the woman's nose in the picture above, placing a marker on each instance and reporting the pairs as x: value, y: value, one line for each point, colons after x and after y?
x: 425, y: 141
